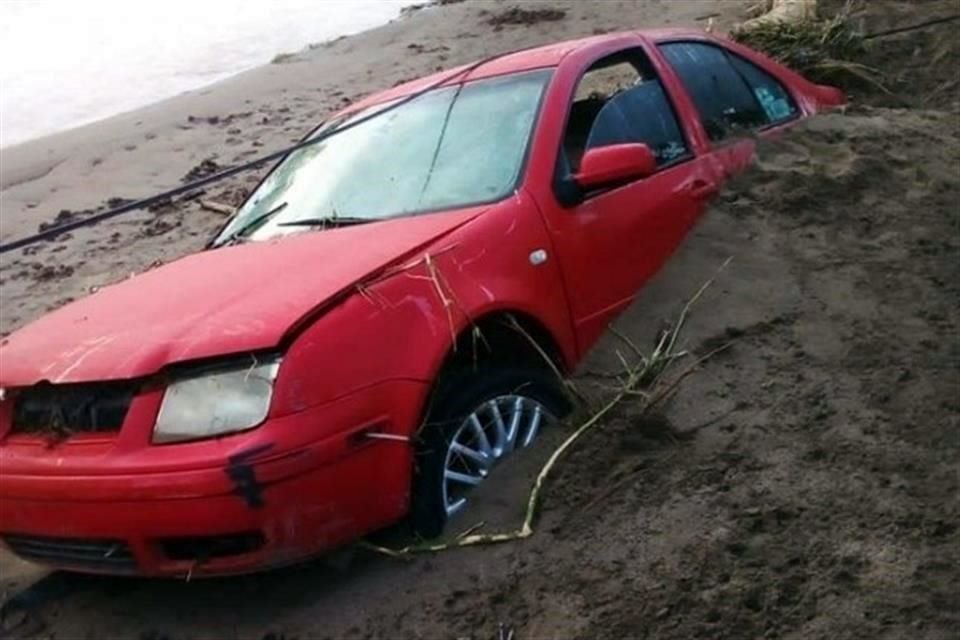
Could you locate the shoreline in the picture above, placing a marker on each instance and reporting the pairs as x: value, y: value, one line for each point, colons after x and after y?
x: 206, y: 48
x: 279, y: 58
x: 151, y: 149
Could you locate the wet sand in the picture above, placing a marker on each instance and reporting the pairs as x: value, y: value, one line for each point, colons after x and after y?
x: 803, y: 482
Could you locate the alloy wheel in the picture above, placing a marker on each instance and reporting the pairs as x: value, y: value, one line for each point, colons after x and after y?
x: 488, y: 434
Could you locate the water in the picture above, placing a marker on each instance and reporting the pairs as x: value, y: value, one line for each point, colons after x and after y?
x: 64, y: 63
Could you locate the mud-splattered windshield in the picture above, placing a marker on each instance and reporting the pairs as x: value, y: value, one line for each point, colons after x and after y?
x: 449, y: 148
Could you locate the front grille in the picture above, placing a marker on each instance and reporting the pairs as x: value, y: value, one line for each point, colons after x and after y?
x: 72, y: 408
x: 100, y: 554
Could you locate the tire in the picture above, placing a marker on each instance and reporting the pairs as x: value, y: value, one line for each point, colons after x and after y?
x: 459, y: 396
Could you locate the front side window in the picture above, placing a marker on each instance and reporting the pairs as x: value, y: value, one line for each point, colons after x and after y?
x: 729, y: 92
x: 621, y: 100
x: 452, y: 147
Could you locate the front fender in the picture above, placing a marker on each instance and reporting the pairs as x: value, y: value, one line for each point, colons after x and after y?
x: 402, y: 324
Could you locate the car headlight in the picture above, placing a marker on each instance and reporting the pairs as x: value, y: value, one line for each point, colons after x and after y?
x: 214, y: 403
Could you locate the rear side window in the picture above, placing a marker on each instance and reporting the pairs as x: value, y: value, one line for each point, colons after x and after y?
x: 729, y: 92
x: 772, y: 96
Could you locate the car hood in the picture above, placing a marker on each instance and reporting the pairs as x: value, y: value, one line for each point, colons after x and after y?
x: 219, y: 302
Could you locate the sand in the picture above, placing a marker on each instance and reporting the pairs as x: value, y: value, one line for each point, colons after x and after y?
x: 801, y: 485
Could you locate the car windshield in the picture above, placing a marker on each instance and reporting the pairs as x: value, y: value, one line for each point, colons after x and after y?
x: 449, y: 148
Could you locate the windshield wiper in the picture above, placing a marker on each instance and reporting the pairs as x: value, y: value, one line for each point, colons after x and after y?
x: 253, y: 225
x: 332, y: 221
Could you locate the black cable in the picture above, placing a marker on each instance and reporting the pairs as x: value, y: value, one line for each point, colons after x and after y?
x: 51, y: 232
x: 912, y: 27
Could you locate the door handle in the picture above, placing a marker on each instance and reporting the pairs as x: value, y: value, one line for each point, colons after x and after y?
x: 703, y: 189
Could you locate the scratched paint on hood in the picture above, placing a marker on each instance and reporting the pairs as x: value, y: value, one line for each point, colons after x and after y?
x: 225, y: 301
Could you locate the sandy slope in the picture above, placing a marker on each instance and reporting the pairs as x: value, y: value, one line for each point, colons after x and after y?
x: 803, y: 484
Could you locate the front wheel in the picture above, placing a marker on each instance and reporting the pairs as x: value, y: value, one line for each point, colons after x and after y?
x: 477, y: 419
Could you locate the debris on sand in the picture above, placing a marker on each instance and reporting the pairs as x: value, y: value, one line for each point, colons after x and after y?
x: 160, y: 205
x: 823, y: 50
x: 206, y: 168
x: 284, y: 58
x: 770, y: 11
x: 65, y: 216
x: 413, y: 8
x: 416, y: 47
x: 233, y: 196
x: 114, y: 202
x: 524, y: 17
x: 45, y: 273
x: 159, y: 226
x: 217, y: 207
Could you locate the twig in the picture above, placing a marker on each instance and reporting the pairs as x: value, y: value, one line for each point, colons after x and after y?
x: 616, y: 486
x: 471, y: 530
x: 690, y: 303
x: 218, y: 207
x: 526, y: 529
x: 376, y: 435
x: 949, y: 84
x: 715, y: 419
x: 656, y: 364
x: 591, y: 373
x: 913, y: 27
x: 675, y: 383
x: 567, y: 383
x: 444, y: 300
x: 626, y: 340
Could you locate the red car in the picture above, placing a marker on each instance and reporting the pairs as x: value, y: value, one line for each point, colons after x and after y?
x: 369, y: 334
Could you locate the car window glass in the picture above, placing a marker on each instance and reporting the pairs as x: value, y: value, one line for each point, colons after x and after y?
x: 720, y: 93
x: 640, y: 114
x: 604, y: 82
x: 621, y: 100
x: 772, y: 96
x: 451, y: 147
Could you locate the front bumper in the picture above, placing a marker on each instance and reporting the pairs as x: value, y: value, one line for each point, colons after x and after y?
x: 262, y: 505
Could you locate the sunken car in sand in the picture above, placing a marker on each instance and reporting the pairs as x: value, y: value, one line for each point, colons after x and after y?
x: 383, y: 319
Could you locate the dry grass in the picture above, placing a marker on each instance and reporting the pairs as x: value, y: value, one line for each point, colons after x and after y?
x: 644, y: 382
x: 823, y: 50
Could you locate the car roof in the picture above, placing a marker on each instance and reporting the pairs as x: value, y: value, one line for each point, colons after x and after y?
x: 518, y: 61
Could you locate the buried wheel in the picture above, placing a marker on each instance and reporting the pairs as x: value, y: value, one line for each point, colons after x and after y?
x: 476, y: 421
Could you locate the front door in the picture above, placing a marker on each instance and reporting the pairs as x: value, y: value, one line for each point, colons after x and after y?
x: 612, y: 240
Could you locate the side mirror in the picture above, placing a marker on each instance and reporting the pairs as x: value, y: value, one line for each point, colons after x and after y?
x: 615, y: 163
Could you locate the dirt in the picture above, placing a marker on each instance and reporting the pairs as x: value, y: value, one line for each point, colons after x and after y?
x: 206, y: 168
x: 803, y: 483
x: 921, y: 68
x: 524, y: 17
x: 63, y: 217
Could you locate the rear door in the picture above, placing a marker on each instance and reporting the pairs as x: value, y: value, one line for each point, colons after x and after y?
x: 735, y: 99
x: 612, y: 240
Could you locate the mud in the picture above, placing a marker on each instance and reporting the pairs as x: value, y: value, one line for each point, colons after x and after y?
x: 524, y: 17
x: 802, y: 484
